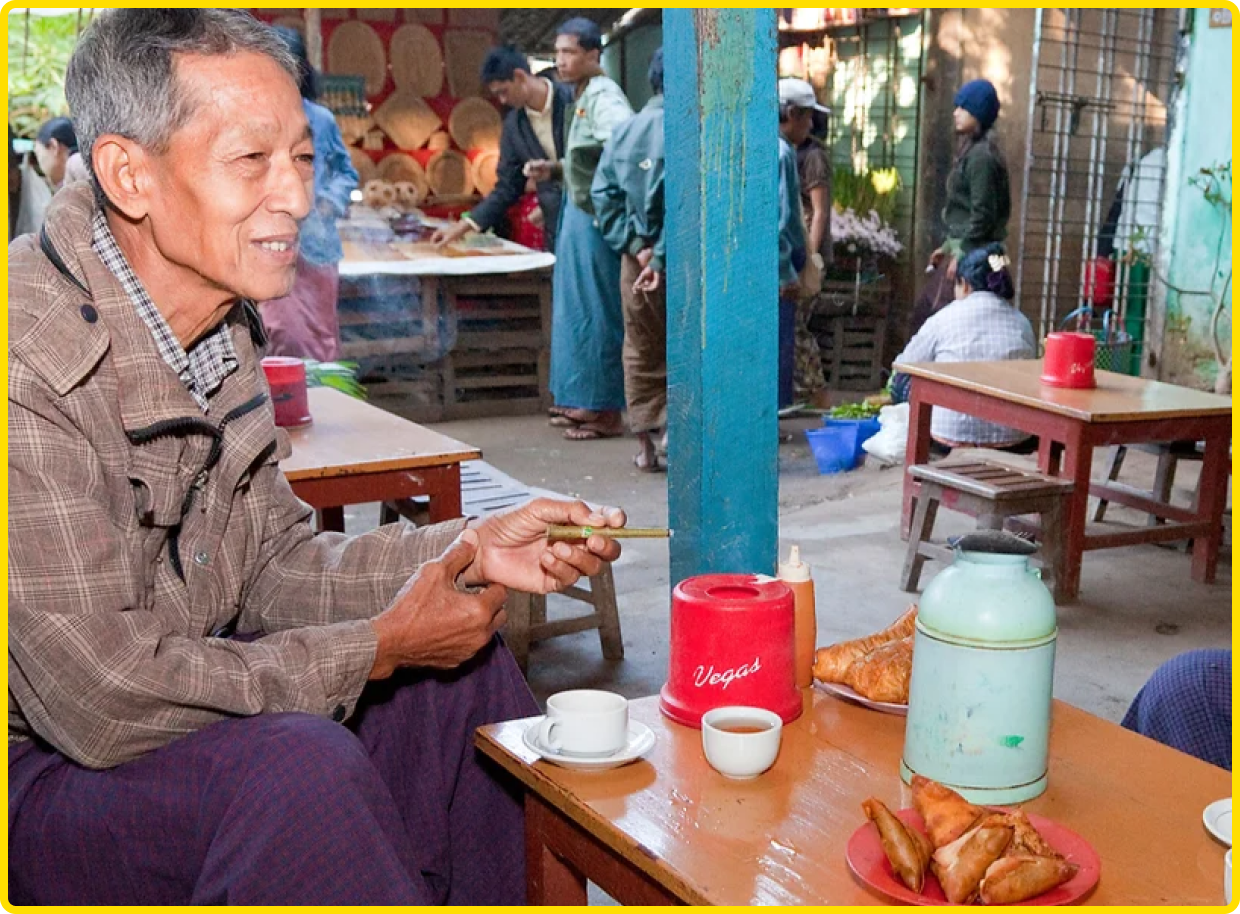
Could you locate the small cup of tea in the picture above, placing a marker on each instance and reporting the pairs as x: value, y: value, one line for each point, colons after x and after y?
x: 585, y: 722
x: 741, y: 742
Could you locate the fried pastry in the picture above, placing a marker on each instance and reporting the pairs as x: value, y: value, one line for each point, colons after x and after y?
x: 1019, y: 877
x: 907, y: 849
x: 832, y: 663
x: 884, y: 673
x: 1026, y: 840
x: 961, y: 865
x: 946, y: 813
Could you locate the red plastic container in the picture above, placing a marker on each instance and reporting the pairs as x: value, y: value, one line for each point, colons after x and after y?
x: 287, y: 380
x: 1069, y: 360
x: 732, y: 644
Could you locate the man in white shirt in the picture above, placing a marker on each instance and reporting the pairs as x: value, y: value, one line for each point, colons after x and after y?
x: 533, y: 132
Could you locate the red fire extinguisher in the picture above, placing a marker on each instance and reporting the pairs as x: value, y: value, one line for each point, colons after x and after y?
x: 1098, y: 282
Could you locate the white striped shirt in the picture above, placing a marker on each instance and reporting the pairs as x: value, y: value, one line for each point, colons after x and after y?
x: 979, y: 328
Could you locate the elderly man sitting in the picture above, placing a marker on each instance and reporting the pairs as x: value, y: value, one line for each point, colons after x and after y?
x: 208, y: 703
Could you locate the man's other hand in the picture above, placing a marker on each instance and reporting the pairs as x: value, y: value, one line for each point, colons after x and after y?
x: 433, y: 624
x: 648, y: 280
x: 538, y: 169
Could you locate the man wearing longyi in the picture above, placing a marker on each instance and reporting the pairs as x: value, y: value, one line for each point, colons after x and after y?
x: 208, y: 703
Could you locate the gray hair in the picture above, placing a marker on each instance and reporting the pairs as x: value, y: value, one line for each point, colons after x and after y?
x: 121, y: 79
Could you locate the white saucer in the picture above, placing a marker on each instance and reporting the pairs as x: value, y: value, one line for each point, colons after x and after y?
x: 641, y: 741
x: 1217, y: 819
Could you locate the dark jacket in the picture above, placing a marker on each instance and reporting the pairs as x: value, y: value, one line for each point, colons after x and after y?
x: 628, y: 185
x: 979, y: 199
x: 519, y: 144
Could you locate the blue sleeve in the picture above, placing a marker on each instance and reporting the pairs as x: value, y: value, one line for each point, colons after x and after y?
x: 610, y: 211
x: 339, y: 176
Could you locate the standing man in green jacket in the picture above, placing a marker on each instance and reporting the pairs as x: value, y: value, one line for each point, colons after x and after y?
x: 587, y: 327
x: 628, y: 201
x: 979, y: 195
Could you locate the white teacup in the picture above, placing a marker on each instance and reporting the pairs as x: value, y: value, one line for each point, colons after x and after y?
x: 1227, y: 876
x: 741, y: 742
x: 585, y: 722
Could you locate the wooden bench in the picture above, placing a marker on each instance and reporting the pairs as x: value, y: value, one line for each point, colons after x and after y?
x: 992, y: 492
x: 1169, y: 455
x: 484, y: 491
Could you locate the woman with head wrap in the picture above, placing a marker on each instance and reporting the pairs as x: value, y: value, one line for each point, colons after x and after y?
x: 979, y: 195
x: 981, y: 325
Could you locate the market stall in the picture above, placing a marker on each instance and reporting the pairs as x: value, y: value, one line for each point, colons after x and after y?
x: 458, y: 331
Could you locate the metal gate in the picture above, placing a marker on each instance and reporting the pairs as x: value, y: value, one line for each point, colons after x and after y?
x: 1102, y: 90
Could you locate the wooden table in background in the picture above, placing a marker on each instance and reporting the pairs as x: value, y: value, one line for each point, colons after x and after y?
x: 1071, y: 423
x: 668, y: 829
x: 355, y: 453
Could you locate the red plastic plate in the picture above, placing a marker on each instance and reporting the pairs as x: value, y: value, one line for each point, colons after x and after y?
x: 869, y: 864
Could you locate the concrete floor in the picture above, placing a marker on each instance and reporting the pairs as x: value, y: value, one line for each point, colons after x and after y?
x: 1138, y: 607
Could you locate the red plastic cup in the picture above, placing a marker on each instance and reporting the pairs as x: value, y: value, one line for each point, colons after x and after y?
x: 287, y: 380
x: 1069, y: 360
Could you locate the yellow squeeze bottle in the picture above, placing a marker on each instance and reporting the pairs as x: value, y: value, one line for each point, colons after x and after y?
x: 796, y: 575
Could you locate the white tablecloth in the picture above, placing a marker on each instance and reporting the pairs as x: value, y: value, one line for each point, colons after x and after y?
x: 450, y: 266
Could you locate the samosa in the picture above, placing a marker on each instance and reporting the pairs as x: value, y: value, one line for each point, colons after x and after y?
x: 1017, y: 878
x: 960, y: 865
x: 946, y: 813
x: 907, y: 849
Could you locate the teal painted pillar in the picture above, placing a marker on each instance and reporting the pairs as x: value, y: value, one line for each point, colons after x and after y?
x: 722, y: 178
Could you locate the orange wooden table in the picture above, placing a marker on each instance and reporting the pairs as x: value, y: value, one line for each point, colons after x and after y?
x: 355, y: 453
x: 668, y: 829
x: 1070, y: 424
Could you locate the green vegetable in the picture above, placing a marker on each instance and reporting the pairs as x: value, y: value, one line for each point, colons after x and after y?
x: 341, y: 376
x: 854, y: 411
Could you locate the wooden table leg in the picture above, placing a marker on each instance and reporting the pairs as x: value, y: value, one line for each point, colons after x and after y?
x: 1049, y: 454
x: 549, y: 880
x: 1211, y: 501
x: 1078, y: 465
x: 917, y: 450
x: 330, y: 520
x: 444, y: 490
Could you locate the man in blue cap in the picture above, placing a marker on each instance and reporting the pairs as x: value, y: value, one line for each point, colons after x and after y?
x: 979, y: 196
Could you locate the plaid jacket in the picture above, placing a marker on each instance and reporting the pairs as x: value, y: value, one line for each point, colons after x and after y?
x: 142, y: 533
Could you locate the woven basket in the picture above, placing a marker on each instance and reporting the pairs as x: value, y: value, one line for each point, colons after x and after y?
x: 356, y: 48
x: 450, y: 174
x: 364, y: 165
x: 475, y: 124
x: 485, y: 164
x: 407, y: 119
x: 463, y: 54
x: 397, y: 167
x: 417, y: 63
x: 431, y: 15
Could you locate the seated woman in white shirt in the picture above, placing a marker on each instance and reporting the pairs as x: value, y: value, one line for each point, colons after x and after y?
x: 981, y: 325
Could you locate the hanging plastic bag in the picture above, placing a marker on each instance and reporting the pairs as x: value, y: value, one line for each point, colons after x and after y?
x: 891, y: 442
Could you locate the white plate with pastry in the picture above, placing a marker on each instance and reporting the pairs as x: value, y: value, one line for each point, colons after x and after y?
x: 843, y: 692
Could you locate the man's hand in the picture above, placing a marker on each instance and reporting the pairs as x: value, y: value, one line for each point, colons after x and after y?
x: 538, y: 169
x: 648, y: 280
x: 451, y: 233
x: 513, y: 548
x: 431, y: 623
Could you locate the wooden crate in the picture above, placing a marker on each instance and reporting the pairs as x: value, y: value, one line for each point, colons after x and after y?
x: 852, y: 352
x: 450, y: 346
x: 500, y: 362
x: 851, y: 327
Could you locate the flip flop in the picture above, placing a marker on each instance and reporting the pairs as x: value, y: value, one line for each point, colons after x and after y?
x: 646, y: 467
x: 589, y: 432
